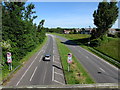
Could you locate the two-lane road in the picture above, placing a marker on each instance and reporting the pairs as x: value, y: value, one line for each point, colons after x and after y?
x: 37, y: 71
x: 100, y: 70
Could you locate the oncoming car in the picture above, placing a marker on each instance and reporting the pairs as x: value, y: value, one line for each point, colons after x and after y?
x: 47, y: 57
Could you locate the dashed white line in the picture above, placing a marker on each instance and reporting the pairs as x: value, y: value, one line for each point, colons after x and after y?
x: 53, y: 58
x: 44, y: 76
x: 100, y: 58
x: 40, y: 58
x: 102, y: 69
x: 59, y: 73
x: 27, y: 69
x: 33, y: 74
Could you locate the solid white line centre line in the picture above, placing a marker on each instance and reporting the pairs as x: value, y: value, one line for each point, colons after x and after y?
x: 33, y: 73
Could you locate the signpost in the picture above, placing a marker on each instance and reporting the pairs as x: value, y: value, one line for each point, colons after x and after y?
x: 9, y: 60
x: 69, y: 60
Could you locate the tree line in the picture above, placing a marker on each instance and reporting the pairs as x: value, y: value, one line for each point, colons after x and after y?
x: 19, y: 34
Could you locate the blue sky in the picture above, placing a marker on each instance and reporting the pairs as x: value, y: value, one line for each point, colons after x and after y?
x: 66, y: 14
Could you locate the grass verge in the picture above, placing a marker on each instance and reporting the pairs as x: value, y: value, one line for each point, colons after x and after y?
x: 77, y: 74
x: 108, y: 51
x: 6, y: 74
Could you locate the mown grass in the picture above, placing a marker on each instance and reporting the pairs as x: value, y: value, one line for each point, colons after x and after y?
x: 6, y: 72
x: 77, y: 74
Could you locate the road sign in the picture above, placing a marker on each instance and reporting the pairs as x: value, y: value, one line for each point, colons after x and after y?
x: 9, y: 59
x: 69, y: 60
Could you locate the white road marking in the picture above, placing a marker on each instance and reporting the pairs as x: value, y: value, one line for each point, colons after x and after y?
x: 102, y: 69
x: 100, y: 59
x: 40, y: 58
x: 53, y: 51
x: 27, y: 69
x: 53, y: 58
x: 58, y: 82
x: 44, y: 76
x: 59, y: 73
x: 53, y: 75
x: 33, y: 73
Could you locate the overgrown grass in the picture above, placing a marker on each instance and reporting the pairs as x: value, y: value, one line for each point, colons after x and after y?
x: 77, y: 74
x: 6, y: 72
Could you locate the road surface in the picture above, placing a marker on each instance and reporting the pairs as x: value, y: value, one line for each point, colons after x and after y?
x: 100, y: 70
x: 39, y: 72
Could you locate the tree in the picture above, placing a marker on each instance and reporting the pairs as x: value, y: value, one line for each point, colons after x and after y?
x: 104, y: 17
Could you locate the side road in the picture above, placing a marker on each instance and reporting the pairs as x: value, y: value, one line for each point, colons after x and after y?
x: 100, y: 70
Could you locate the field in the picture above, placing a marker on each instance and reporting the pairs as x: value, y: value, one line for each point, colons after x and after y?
x: 77, y: 74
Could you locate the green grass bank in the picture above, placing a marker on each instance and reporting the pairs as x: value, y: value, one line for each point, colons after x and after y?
x: 77, y: 74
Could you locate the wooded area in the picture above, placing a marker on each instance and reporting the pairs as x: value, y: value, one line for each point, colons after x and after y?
x: 19, y: 34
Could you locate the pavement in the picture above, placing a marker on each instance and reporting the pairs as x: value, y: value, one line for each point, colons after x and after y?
x: 36, y: 71
x: 100, y: 70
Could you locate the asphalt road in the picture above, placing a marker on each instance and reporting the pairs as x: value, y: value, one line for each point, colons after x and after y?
x: 100, y: 70
x: 39, y: 72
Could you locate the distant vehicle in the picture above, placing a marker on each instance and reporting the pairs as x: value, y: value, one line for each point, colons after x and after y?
x: 47, y: 57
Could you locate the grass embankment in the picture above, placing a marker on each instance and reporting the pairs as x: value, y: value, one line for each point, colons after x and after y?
x: 77, y: 74
x: 109, y: 47
x: 5, y: 70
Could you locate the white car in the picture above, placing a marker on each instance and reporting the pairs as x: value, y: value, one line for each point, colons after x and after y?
x: 47, y: 57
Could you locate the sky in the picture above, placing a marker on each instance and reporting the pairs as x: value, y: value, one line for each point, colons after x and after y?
x: 66, y: 14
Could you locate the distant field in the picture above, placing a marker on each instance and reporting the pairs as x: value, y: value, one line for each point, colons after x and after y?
x: 110, y: 48
x: 74, y: 36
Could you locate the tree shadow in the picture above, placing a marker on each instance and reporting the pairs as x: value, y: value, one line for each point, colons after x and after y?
x: 77, y: 42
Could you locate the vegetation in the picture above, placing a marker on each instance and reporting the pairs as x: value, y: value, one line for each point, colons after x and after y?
x: 109, y: 47
x: 104, y: 17
x: 19, y: 35
x: 77, y: 74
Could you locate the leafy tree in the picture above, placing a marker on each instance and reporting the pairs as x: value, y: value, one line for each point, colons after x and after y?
x: 18, y: 29
x: 104, y: 17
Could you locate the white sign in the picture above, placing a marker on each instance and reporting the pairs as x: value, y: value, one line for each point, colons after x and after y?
x: 69, y: 60
x: 9, y: 59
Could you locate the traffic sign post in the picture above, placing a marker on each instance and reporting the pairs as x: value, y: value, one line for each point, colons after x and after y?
x: 69, y: 60
x: 9, y: 60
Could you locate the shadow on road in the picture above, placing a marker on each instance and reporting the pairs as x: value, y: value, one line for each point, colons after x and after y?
x: 76, y: 42
x: 57, y: 67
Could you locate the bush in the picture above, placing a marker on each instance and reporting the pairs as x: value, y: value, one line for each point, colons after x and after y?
x: 95, y: 42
